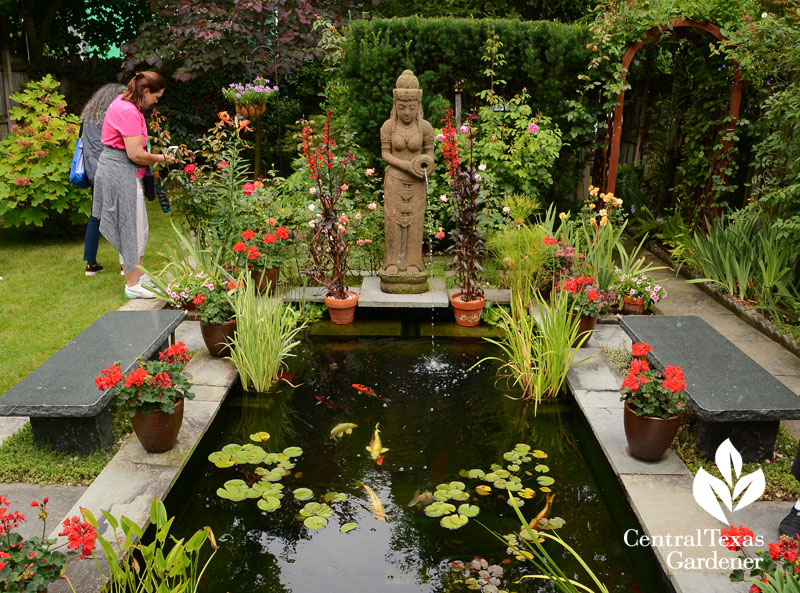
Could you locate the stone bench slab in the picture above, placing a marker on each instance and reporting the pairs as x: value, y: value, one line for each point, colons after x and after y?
x: 724, y: 383
x: 64, y: 385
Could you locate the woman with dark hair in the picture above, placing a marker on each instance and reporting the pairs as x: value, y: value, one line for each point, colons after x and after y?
x: 118, y: 185
x: 91, y: 129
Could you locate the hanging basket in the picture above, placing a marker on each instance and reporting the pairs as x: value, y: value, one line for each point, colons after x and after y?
x: 250, y: 112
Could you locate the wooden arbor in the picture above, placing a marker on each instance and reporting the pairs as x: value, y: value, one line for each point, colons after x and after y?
x: 616, y: 118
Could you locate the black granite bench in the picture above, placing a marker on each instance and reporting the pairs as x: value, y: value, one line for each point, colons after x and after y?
x: 733, y: 396
x: 61, y: 398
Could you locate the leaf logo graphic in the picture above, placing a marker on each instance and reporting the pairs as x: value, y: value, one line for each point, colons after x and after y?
x: 712, y: 493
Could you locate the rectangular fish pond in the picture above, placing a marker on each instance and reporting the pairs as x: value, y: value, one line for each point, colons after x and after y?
x: 313, y: 512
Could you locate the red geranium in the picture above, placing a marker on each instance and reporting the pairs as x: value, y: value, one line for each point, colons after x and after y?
x: 549, y: 241
x: 174, y: 354
x: 252, y: 253
x: 640, y: 349
x: 734, y: 538
x: 80, y: 535
x: 108, y: 377
x: 269, y: 238
x: 282, y: 232
x: 137, y: 377
x: 239, y: 247
x: 190, y: 169
x: 247, y: 234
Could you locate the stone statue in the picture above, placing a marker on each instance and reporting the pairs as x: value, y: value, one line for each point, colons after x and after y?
x: 407, y: 148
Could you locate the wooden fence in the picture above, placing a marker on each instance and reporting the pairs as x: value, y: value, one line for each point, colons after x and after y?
x: 15, y: 72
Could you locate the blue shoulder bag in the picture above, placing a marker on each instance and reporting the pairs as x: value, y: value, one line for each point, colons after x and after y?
x: 77, y: 172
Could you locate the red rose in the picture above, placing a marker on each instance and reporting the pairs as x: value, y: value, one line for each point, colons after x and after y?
x: 189, y: 169
x: 222, y: 164
x: 248, y: 188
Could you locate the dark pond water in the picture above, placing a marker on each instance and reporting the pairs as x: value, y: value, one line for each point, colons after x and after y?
x: 441, y: 418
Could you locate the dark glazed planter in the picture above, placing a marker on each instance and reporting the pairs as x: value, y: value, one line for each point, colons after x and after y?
x: 157, y: 431
x: 648, y: 436
x: 266, y: 280
x: 586, y: 326
x: 216, y: 336
x: 342, y: 311
x: 468, y: 313
x: 633, y: 306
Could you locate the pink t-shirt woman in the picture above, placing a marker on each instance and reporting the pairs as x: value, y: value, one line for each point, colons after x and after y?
x: 123, y: 118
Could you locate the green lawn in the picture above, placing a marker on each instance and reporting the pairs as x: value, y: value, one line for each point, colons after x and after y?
x: 45, y: 298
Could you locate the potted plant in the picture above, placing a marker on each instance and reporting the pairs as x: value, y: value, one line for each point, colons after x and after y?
x: 327, y: 246
x: 585, y: 299
x: 216, y: 316
x: 251, y: 97
x: 153, y: 396
x: 654, y: 402
x: 266, y: 333
x: 30, y: 565
x: 468, y: 221
x: 638, y: 293
x: 262, y: 255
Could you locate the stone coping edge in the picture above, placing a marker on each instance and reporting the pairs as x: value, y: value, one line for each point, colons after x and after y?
x: 750, y: 316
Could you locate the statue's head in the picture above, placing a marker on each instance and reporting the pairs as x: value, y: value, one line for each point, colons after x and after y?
x: 407, y: 98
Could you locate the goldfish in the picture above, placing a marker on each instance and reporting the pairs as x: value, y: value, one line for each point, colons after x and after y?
x: 374, y: 502
x: 543, y: 514
x: 368, y: 391
x: 327, y: 402
x: 375, y: 447
x: 341, y: 429
x: 423, y: 499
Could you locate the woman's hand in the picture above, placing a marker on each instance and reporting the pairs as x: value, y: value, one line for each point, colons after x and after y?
x: 168, y: 158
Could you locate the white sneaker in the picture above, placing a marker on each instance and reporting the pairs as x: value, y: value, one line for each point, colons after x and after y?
x: 138, y: 291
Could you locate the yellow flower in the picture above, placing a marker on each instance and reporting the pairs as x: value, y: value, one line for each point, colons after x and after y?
x: 591, y: 206
x: 603, y: 212
x: 618, y: 201
x: 604, y: 221
x: 593, y: 191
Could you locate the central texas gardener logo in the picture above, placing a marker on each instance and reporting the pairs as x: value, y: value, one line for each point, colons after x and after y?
x: 709, y: 491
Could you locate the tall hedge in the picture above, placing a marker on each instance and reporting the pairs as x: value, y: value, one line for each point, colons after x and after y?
x: 543, y: 56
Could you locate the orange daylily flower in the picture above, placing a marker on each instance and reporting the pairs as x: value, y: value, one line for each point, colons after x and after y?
x: 224, y: 117
x: 243, y: 125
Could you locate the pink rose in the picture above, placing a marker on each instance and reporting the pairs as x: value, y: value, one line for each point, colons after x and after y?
x: 533, y: 128
x: 372, y: 205
x: 248, y: 188
x: 369, y: 172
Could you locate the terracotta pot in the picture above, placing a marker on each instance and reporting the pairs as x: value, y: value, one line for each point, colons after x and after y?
x: 468, y: 313
x: 266, y: 280
x: 586, y: 325
x: 633, y: 306
x: 157, y: 431
x: 250, y: 111
x: 342, y: 310
x: 649, y: 436
x: 216, y: 335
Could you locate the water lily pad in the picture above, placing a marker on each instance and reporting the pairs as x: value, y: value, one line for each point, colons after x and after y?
x: 527, y: 493
x: 331, y: 497
x: 311, y: 508
x: 271, y: 459
x: 231, y: 449
x: 274, y: 475
x: 347, y: 527
x: 522, y: 448
x: 554, y: 523
x: 250, y: 453
x: 514, y: 486
x: 476, y: 473
x: 442, y: 495
x: 293, y: 451
x: 483, y: 489
x: 513, y: 467
x: 516, y: 501
x: 525, y: 459
x: 468, y: 510
x: 234, y: 490
x: 259, y: 437
x: 315, y: 522
x: 457, y: 486
x: 303, y: 494
x: 502, y: 473
x: 545, y: 489
x: 539, y: 454
x: 269, y: 504
x: 325, y: 511
x: 458, y: 495
x: 510, y: 455
x: 495, y: 466
x: 545, y: 481
x: 542, y: 468
x: 220, y: 459
x: 286, y: 464
x: 454, y: 521
x: 437, y: 509
x: 491, y: 477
